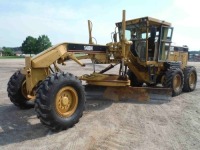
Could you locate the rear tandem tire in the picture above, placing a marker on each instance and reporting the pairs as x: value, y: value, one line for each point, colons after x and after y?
x: 14, y: 89
x: 60, y: 101
x: 174, y: 80
x: 190, y: 79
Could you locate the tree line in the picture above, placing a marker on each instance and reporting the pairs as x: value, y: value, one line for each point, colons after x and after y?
x: 7, y: 51
x: 31, y: 45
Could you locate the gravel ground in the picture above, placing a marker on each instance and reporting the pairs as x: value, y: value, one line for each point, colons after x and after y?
x: 105, y: 124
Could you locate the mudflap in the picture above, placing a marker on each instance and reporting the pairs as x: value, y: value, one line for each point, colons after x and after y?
x: 140, y: 94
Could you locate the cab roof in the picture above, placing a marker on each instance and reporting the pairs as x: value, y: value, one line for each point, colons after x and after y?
x: 152, y: 21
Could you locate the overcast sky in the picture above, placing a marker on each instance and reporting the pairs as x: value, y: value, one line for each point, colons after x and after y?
x: 66, y: 20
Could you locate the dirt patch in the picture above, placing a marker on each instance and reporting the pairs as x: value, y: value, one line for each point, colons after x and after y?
x: 105, y: 124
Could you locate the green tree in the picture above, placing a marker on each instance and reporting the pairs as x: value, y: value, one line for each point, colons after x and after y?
x: 29, y: 45
x: 33, y: 46
x: 8, y: 51
x: 42, y: 43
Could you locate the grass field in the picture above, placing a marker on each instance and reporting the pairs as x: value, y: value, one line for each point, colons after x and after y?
x: 9, y: 57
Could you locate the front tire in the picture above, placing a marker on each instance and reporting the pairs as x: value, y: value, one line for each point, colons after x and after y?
x: 60, y: 101
x: 190, y: 79
x: 174, y: 80
x: 16, y: 91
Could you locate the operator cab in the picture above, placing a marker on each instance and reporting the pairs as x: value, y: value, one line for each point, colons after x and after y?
x: 151, y: 38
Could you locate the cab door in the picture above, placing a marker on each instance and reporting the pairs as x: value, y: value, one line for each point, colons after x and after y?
x: 165, y: 41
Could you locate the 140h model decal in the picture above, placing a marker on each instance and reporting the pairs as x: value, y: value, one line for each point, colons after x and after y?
x: 88, y: 48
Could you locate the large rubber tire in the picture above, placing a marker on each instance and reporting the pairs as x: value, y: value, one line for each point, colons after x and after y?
x: 174, y: 80
x: 14, y: 89
x: 190, y: 79
x: 134, y: 80
x: 51, y: 105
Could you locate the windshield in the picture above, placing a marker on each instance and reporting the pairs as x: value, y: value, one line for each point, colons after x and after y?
x: 137, y: 33
x: 134, y: 32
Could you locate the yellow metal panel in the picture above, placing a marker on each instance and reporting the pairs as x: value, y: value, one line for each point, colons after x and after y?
x: 104, y: 80
x: 46, y: 59
x: 39, y: 75
x: 113, y: 83
x: 27, y: 71
x: 152, y: 21
x: 28, y: 62
x: 184, y: 59
x: 33, y: 78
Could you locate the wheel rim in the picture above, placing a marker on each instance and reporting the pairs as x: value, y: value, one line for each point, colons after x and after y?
x: 192, y: 80
x: 66, y: 101
x: 177, y: 82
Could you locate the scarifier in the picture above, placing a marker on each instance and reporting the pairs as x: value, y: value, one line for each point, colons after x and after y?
x: 150, y: 68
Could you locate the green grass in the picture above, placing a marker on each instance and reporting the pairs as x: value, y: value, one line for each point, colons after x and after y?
x: 10, y: 57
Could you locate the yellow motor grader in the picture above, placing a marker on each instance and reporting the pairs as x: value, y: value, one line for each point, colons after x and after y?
x: 149, y: 67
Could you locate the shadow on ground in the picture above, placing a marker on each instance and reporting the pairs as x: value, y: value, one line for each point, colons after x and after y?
x: 18, y: 125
